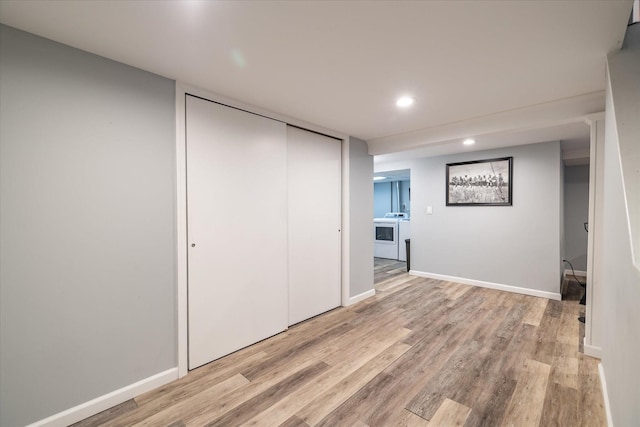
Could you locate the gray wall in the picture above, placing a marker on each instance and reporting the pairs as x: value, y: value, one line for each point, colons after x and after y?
x: 561, y: 216
x: 87, y: 226
x: 361, y: 219
x: 381, y: 199
x: 576, y: 213
x: 405, y: 196
x: 621, y: 278
x: 385, y: 198
x: 515, y: 245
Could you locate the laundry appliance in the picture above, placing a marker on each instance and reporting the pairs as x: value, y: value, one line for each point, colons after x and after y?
x: 386, y: 236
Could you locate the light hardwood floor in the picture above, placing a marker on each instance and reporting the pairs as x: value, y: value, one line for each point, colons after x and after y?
x: 421, y: 352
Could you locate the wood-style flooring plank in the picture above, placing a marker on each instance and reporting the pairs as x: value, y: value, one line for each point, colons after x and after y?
x: 445, y: 316
x: 407, y: 418
x: 178, y: 412
x: 486, y: 372
x: 109, y: 415
x: 511, y: 321
x: 328, y: 401
x: 267, y: 398
x: 448, y: 380
x: 380, y: 399
x: 525, y: 407
x: 494, y: 380
x: 365, y: 340
x: 464, y: 380
x: 186, y: 389
x: 544, y: 350
x: 560, y: 406
x: 564, y: 369
x: 455, y: 290
x: 294, y: 421
x: 298, y: 352
x: 325, y: 382
x: 419, y: 343
x: 393, y: 282
x: 385, y: 268
x: 491, y: 404
x: 451, y: 414
x: 591, y: 410
x: 535, y: 312
x: 569, y: 326
x: 223, y: 404
x: 303, y: 331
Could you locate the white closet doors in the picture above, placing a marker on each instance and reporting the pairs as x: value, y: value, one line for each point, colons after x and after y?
x: 314, y: 165
x: 237, y: 229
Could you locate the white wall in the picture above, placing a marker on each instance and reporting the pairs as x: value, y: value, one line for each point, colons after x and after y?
x: 621, y: 277
x: 87, y: 227
x: 361, y: 215
x: 517, y: 246
x: 576, y: 213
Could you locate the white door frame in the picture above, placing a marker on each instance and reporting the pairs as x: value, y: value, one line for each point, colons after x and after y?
x: 181, y: 203
x: 593, y: 331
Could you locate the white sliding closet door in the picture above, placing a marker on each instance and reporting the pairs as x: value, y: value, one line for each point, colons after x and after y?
x: 237, y: 229
x: 314, y: 164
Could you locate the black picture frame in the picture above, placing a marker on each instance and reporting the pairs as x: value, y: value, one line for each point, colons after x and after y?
x: 480, y: 182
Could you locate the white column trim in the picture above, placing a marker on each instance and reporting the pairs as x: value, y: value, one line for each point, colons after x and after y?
x: 181, y: 231
x: 346, y: 229
x: 596, y: 122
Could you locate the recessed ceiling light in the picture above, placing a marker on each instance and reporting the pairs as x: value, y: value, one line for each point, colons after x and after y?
x: 469, y: 141
x: 404, y: 101
x: 379, y: 178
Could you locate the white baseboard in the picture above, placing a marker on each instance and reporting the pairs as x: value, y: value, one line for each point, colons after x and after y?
x: 109, y: 400
x: 569, y: 273
x: 490, y: 285
x: 592, y: 351
x: 360, y: 297
x: 605, y: 395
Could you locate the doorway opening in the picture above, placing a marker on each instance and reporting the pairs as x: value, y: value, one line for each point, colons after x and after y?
x: 392, y: 222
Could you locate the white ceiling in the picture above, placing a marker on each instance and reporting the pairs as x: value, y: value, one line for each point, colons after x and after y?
x: 341, y: 65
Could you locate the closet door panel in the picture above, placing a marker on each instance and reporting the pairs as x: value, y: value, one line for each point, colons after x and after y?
x: 314, y: 165
x: 237, y: 229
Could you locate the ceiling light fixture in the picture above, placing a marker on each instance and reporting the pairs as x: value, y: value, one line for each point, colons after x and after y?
x: 469, y: 141
x: 404, y: 101
x: 379, y: 178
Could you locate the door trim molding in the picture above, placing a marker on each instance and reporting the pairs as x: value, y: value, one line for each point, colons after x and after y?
x: 592, y: 337
x: 181, y: 232
x: 182, y: 89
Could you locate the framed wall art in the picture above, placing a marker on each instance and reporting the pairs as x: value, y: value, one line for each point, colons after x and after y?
x: 480, y: 183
